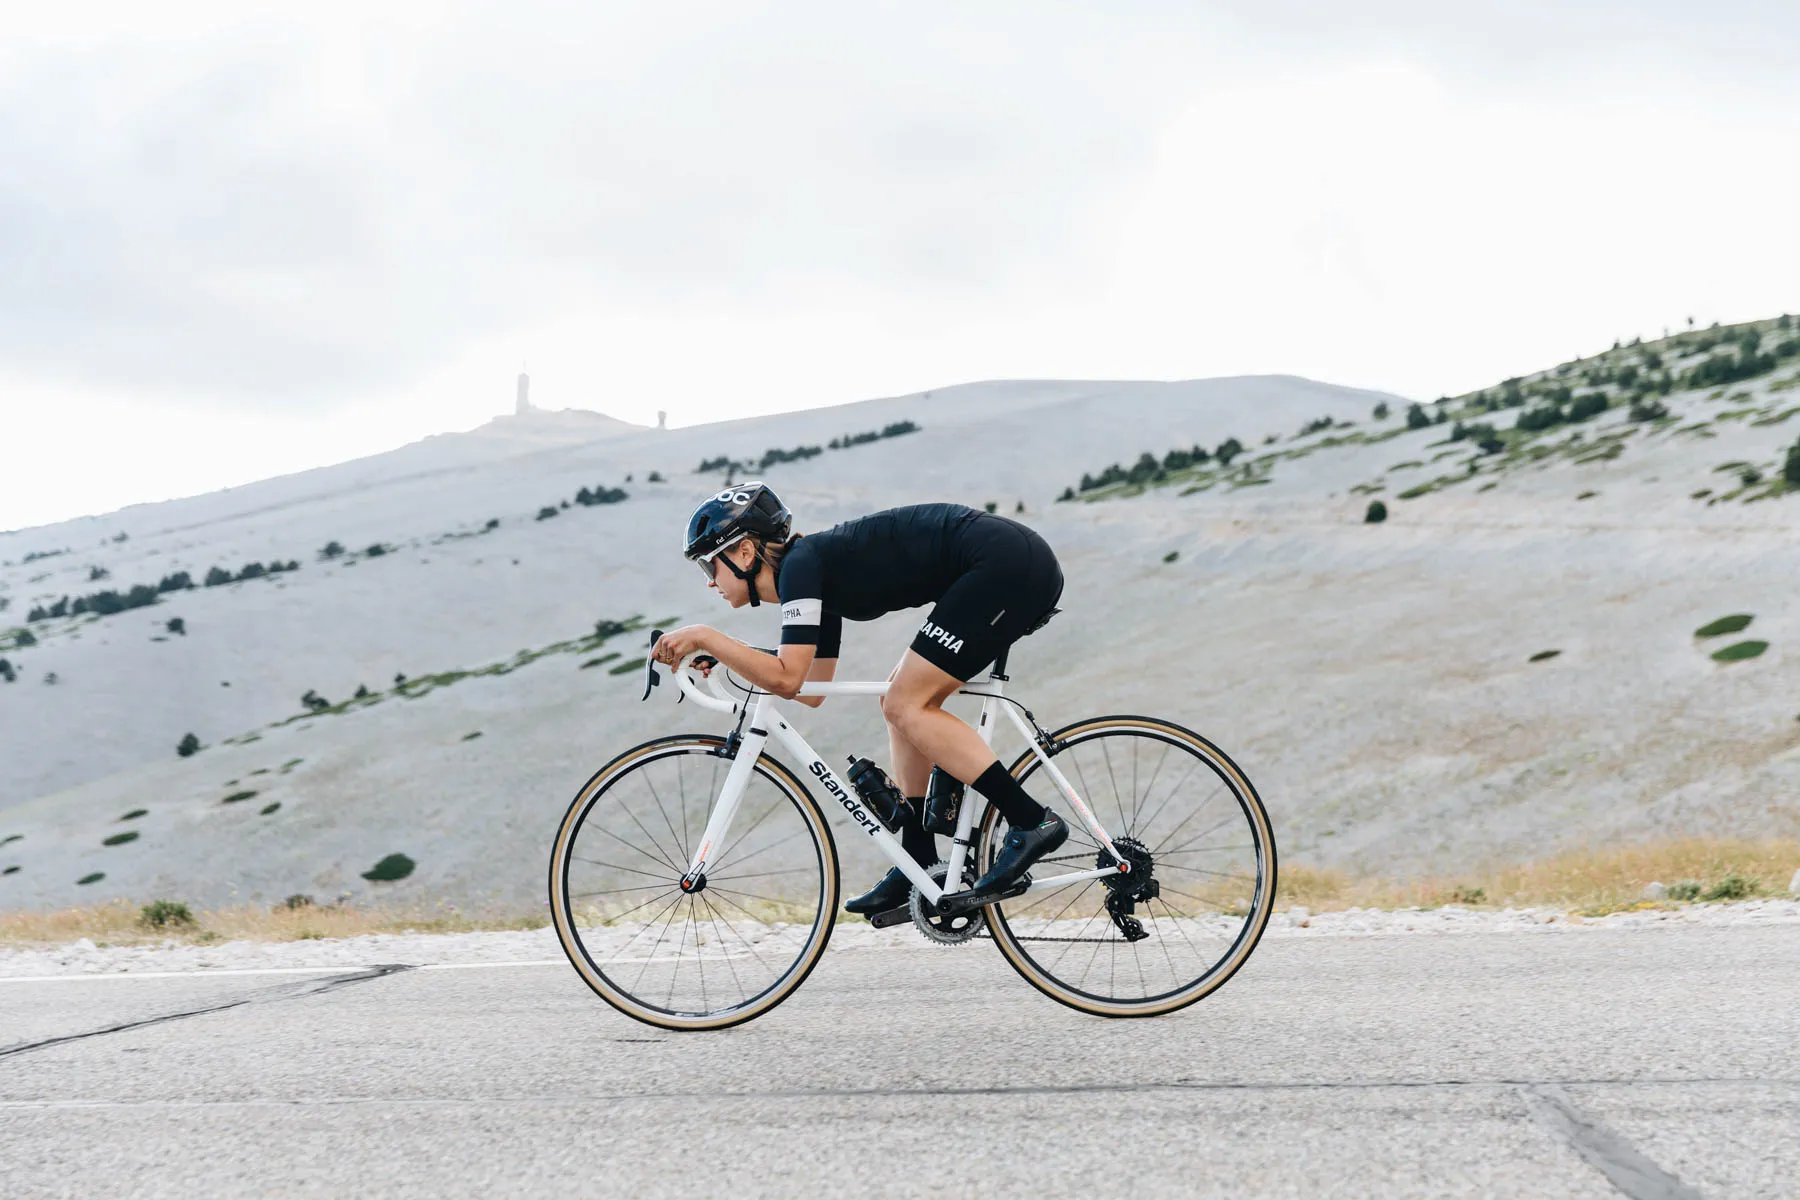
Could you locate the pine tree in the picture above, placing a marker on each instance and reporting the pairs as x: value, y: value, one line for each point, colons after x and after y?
x: 188, y: 746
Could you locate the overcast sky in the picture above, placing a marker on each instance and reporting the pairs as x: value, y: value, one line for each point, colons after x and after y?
x: 239, y: 239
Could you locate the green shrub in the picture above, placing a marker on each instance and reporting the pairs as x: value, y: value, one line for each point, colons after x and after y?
x: 1740, y: 651
x: 1588, y: 404
x: 176, y: 625
x: 469, y: 737
x: 1068, y: 493
x: 96, y: 877
x: 1732, y: 624
x: 135, y: 813
x: 1468, y: 895
x: 1790, y: 469
x: 1684, y: 890
x: 271, y: 807
x: 394, y: 866
x: 1543, y: 655
x: 1376, y: 514
x: 296, y: 901
x: 1380, y: 412
x: 161, y: 914
x: 1645, y: 409
x: 601, y: 661
x: 237, y: 796
x: 1731, y: 887
x: 119, y: 839
x: 1416, y: 417
x: 990, y: 506
x: 188, y: 746
x: 626, y: 667
x: 1171, y: 556
x: 375, y: 551
x: 1750, y: 476
x: 331, y: 550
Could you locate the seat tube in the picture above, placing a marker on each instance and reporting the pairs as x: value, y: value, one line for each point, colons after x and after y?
x: 961, y: 842
x: 756, y: 735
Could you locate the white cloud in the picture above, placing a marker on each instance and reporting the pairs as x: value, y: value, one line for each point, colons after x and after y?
x: 251, y: 238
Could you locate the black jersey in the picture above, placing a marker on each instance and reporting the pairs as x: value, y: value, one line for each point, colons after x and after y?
x: 893, y: 559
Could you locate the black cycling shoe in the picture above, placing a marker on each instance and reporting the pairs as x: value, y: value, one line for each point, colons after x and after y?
x: 892, y: 892
x: 1022, y: 848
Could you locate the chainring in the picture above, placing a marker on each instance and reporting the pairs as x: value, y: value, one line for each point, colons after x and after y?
x: 947, y: 931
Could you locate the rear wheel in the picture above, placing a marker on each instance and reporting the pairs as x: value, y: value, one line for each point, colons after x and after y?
x: 1202, y: 886
x: 707, y: 959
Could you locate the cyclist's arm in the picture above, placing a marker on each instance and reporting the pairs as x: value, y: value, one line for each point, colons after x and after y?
x: 823, y: 669
x: 781, y: 674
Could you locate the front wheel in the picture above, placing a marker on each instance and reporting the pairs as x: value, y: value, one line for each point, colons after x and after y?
x: 692, y: 960
x: 1200, y: 892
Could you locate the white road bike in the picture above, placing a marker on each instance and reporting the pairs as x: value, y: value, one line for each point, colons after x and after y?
x: 694, y: 880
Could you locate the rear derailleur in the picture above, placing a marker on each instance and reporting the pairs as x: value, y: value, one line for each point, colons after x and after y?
x: 1126, y: 891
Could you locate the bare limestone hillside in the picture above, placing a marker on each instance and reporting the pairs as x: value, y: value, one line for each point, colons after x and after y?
x: 1389, y: 685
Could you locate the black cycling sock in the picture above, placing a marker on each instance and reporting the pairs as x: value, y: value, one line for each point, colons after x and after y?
x: 1013, y: 801
x: 921, y: 845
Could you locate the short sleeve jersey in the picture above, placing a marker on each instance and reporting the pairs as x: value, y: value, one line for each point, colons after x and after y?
x: 889, y: 560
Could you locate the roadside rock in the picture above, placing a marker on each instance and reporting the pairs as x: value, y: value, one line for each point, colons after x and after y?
x: 1655, y: 891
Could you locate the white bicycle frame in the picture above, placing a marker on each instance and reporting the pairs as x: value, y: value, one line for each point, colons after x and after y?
x: 764, y: 720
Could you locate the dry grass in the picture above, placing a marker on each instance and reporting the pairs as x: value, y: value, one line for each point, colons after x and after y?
x: 118, y: 924
x: 1587, y: 881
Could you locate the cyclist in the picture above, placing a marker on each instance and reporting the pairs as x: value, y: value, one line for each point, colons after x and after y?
x: 990, y: 581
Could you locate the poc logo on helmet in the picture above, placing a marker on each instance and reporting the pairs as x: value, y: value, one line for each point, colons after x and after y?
x: 942, y: 637
x: 737, y: 495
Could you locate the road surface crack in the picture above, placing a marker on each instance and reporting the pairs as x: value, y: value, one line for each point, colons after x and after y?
x: 292, y: 992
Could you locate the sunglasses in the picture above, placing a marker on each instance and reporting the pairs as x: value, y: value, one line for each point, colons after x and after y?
x: 706, y: 562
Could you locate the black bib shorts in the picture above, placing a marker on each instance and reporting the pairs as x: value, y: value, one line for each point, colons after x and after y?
x: 1009, y: 589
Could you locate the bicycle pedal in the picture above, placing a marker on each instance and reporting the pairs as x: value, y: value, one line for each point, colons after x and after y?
x: 893, y: 916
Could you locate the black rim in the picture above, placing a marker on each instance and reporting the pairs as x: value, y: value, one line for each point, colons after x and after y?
x: 709, y: 951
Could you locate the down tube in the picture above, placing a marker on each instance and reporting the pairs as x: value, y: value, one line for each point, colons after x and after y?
x: 864, y: 820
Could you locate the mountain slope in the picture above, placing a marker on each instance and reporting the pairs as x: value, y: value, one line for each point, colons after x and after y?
x: 1374, y: 679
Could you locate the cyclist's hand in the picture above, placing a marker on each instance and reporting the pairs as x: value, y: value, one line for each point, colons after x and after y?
x: 671, y: 648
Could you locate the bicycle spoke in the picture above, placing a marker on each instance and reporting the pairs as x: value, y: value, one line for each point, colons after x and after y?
x: 1137, y: 806
x: 659, y: 856
x: 651, y: 785
x: 1227, y: 819
x: 616, y: 867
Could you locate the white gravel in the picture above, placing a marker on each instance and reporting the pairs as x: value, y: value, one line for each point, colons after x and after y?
x: 85, y: 958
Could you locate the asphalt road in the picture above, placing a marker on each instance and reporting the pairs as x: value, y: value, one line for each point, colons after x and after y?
x: 1650, y: 1064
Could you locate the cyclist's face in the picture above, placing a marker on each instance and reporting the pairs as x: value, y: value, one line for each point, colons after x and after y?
x: 735, y: 591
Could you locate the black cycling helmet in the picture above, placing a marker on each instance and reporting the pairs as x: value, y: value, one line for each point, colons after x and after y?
x: 749, y: 509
